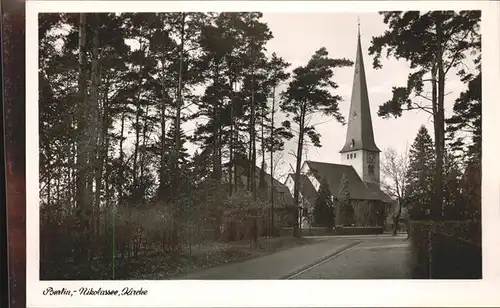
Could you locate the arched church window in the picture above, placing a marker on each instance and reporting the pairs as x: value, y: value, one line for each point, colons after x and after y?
x: 371, y: 170
x: 354, y: 155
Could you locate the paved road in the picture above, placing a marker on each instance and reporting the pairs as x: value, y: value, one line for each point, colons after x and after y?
x: 364, y: 257
x: 378, y: 258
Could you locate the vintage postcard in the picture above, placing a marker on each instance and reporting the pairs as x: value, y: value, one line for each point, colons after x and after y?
x: 203, y: 153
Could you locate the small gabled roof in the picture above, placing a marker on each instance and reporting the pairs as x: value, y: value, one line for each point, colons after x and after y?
x: 306, y: 188
x: 278, y: 186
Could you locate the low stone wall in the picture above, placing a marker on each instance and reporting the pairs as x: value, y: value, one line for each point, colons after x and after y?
x: 358, y: 230
x: 446, y: 250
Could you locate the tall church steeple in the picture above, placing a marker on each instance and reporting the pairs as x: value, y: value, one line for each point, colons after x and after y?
x: 360, y: 149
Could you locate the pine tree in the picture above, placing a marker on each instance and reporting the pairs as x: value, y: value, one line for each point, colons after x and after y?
x: 171, y: 141
x: 256, y: 35
x: 433, y: 42
x: 420, y: 174
x: 308, y: 93
x: 324, y: 211
x: 467, y: 119
x: 83, y: 192
x: 345, y: 210
x: 471, y: 193
x: 451, y: 188
x: 275, y: 141
x: 174, y: 160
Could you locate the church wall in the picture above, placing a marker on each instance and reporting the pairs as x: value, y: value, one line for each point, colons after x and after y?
x: 356, y: 163
x: 305, y: 170
x: 375, y: 178
x: 360, y: 163
x: 368, y: 212
x: 290, y: 183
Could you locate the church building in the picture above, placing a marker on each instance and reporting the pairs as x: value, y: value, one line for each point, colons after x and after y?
x: 360, y: 162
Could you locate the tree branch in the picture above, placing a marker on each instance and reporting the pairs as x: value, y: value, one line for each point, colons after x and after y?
x: 456, y: 54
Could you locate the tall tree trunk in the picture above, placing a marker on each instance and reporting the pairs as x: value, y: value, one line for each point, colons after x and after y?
x: 216, y: 145
x: 235, y: 156
x: 49, y: 177
x: 249, y: 162
x: 253, y: 135
x: 144, y: 141
x: 74, y: 173
x: 296, y: 226
x: 96, y: 122
x: 231, y: 139
x: 58, y: 200
x: 122, y: 159
x: 137, y: 135
x: 136, y: 152
x: 252, y: 131
x: 103, y: 152
x: 435, y: 126
x: 272, y: 158
x: 68, y: 197
x: 438, y: 112
x: 106, y: 171
x: 221, y: 145
x: 83, y: 199
x: 178, y: 110
x: 262, y: 175
x: 436, y: 210
x: 262, y: 183
x: 162, y: 176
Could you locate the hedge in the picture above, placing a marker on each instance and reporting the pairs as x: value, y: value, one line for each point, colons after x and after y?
x: 446, y: 249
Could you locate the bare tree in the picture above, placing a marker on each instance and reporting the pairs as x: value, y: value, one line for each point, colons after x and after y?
x: 394, y: 168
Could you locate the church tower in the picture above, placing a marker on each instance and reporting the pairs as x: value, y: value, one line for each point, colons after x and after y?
x: 360, y: 150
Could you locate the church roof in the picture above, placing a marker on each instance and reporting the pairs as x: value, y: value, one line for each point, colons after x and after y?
x: 358, y: 189
x: 359, y: 123
x: 307, y: 188
x: 376, y: 190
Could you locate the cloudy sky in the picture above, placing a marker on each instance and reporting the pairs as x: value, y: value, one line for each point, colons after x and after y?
x: 298, y: 35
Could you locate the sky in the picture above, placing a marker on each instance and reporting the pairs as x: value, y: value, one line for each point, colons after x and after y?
x: 298, y: 35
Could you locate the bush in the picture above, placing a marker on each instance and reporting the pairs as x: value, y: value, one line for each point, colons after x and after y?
x: 446, y: 250
x: 140, y: 231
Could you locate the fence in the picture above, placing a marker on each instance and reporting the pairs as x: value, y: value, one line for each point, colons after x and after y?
x: 446, y: 250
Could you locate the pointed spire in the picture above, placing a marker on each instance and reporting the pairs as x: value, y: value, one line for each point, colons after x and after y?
x: 359, y: 124
x: 359, y: 26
